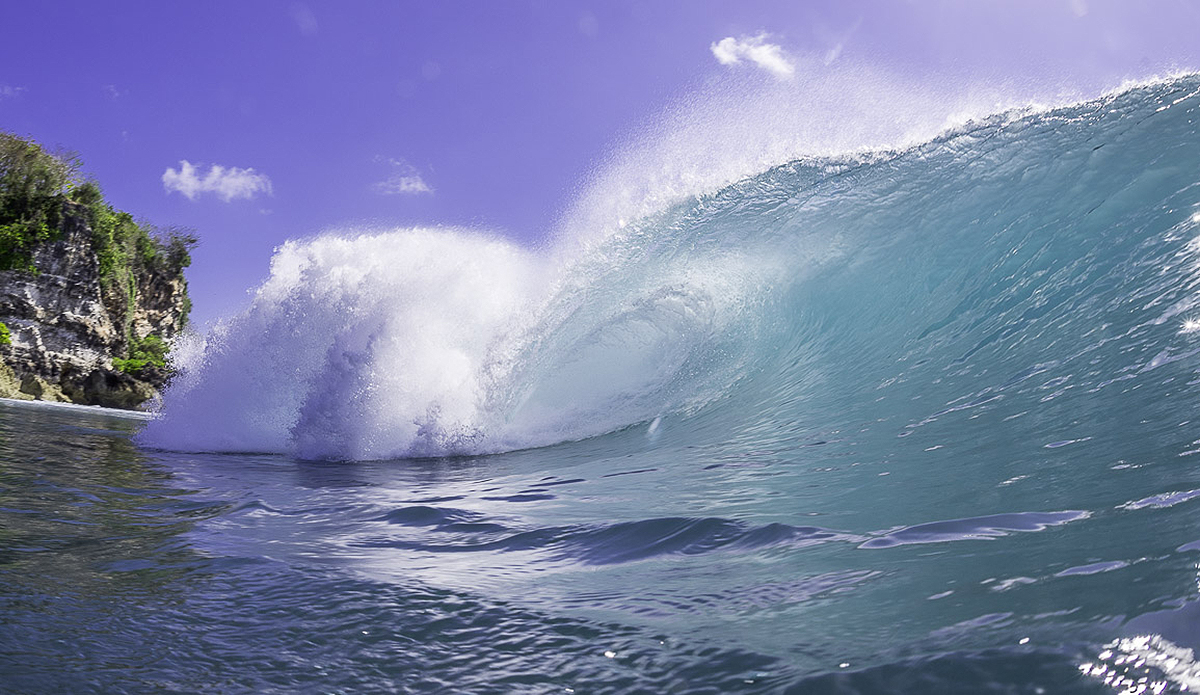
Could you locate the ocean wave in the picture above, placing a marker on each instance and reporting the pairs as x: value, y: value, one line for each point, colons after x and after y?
x: 1043, y: 240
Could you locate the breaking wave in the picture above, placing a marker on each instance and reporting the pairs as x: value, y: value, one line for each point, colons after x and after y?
x: 957, y: 267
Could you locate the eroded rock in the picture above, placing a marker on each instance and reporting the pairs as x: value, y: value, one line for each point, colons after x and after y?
x: 66, y: 329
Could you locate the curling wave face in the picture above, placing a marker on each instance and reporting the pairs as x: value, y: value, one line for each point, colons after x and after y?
x: 972, y: 269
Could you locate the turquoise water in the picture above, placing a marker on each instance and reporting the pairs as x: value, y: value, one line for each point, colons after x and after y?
x: 916, y: 421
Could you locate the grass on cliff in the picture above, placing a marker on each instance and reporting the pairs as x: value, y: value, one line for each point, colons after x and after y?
x: 39, y: 189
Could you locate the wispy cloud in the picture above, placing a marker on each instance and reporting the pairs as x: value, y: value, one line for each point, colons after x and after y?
x: 404, y: 180
x: 228, y: 183
x: 837, y: 40
x: 304, y: 18
x: 768, y: 56
x: 10, y: 92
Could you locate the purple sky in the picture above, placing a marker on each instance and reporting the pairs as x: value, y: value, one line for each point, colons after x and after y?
x: 485, y: 114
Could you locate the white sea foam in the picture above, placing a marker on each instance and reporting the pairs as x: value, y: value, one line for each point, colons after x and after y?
x: 354, y: 347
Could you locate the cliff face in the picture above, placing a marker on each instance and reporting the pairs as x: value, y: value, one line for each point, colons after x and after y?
x: 67, y: 327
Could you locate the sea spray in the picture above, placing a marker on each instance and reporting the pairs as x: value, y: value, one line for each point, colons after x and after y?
x: 353, y: 347
x: 421, y: 342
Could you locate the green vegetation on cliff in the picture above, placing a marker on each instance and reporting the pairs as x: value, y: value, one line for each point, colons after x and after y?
x: 33, y: 187
x: 145, y: 355
x: 39, y: 189
x: 123, y: 246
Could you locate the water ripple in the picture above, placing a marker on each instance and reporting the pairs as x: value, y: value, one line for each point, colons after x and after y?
x: 601, y: 545
x: 974, y: 528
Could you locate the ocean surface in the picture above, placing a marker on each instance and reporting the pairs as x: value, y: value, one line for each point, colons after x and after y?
x: 921, y: 419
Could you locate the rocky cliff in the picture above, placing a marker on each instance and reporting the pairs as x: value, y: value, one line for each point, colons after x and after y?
x: 71, y: 327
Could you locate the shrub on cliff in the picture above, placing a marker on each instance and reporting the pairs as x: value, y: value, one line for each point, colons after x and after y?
x: 5, y: 335
x: 33, y: 186
x: 147, y: 354
x: 124, y: 247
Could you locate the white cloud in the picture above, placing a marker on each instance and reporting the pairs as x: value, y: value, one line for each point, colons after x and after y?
x: 397, y: 184
x: 768, y: 56
x: 9, y: 92
x: 228, y: 183
x: 405, y: 180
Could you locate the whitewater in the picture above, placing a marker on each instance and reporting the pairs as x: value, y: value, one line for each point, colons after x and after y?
x: 865, y: 391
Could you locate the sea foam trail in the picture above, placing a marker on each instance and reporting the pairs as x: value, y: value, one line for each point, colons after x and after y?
x: 803, y: 288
